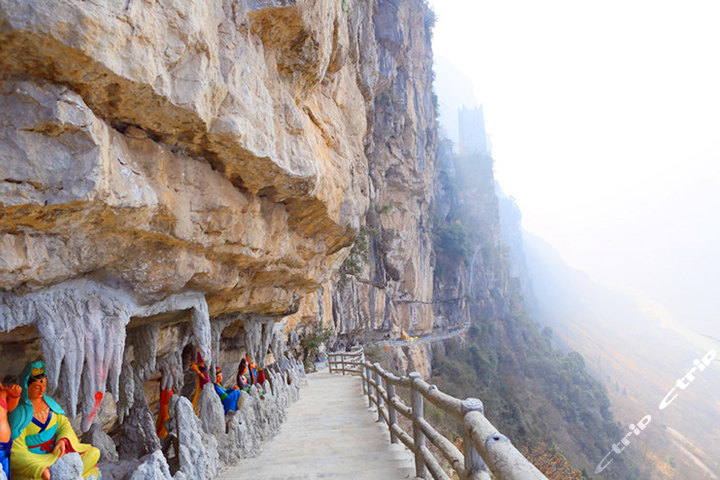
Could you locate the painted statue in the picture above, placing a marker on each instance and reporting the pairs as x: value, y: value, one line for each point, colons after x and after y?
x: 41, y: 433
x: 9, y: 398
x: 242, y: 375
x: 202, y: 378
x: 252, y: 370
x: 229, y: 396
x: 260, y: 376
x: 164, y: 413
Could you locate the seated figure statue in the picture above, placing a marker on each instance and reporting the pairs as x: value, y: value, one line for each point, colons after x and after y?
x: 230, y: 396
x: 241, y: 379
x: 41, y: 433
x: 9, y: 398
x: 252, y: 370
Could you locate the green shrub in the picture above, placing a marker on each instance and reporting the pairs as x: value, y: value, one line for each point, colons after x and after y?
x: 387, y: 208
x: 453, y: 241
x: 311, y: 341
x: 353, y: 264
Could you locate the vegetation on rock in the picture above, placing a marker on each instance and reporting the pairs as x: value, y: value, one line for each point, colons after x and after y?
x: 356, y: 260
x: 311, y: 342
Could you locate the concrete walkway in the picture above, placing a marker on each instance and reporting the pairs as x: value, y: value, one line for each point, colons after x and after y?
x: 329, y: 434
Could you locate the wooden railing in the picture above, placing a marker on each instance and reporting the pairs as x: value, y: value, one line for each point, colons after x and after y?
x: 346, y: 362
x: 486, y: 452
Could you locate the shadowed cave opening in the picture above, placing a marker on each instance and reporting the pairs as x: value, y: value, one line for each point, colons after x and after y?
x: 18, y: 346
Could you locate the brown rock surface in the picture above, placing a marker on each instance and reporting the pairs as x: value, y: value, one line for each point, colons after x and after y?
x: 167, y: 170
x: 179, y: 145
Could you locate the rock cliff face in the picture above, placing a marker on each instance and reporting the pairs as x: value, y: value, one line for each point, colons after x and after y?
x: 213, y: 146
x: 394, y: 286
x: 473, y: 283
x: 180, y: 175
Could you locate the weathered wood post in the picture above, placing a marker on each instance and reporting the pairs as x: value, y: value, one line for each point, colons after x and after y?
x: 392, y: 413
x: 363, y: 376
x: 474, y: 463
x: 418, y: 411
x: 363, y: 372
x: 378, y: 395
x: 342, y: 360
x: 369, y: 385
x: 331, y: 357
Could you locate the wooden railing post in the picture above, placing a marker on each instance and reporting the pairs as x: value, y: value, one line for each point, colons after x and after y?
x: 418, y: 411
x: 474, y: 463
x: 369, y: 385
x: 342, y: 360
x: 378, y: 395
x: 363, y: 375
x: 392, y: 413
x: 330, y: 362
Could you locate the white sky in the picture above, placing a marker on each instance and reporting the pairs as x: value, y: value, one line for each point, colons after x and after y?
x: 605, y: 123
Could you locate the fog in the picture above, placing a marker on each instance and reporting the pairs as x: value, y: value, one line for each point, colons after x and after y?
x: 605, y: 121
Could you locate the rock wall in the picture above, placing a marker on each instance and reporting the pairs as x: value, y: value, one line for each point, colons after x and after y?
x: 213, y: 146
x: 394, y: 285
x: 473, y: 280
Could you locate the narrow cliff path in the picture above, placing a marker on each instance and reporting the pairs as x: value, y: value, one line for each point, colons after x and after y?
x: 429, y: 338
x: 330, y: 433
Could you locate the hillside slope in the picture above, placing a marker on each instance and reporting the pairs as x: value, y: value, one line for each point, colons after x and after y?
x: 639, y: 358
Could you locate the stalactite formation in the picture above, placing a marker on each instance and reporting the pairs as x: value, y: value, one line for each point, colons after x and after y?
x: 81, y: 326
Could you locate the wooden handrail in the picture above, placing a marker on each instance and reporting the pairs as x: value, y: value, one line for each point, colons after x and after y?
x: 504, y: 460
x: 345, y: 359
x: 443, y: 401
x: 487, y: 453
x: 403, y: 409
